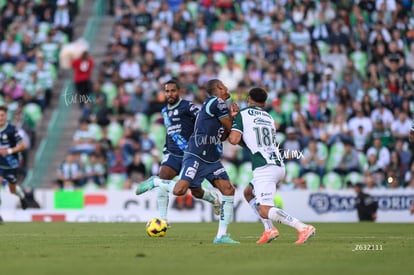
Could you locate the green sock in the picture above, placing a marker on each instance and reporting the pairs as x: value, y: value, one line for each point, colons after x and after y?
x: 226, y: 215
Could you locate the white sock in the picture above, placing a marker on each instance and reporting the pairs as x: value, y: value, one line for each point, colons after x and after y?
x: 278, y: 215
x: 165, y: 185
x: 266, y: 222
x: 19, y: 192
x: 208, y: 196
x: 226, y: 215
x: 157, y: 181
x: 162, y: 200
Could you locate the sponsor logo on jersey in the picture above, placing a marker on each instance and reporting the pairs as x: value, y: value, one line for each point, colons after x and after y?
x: 219, y: 171
x: 175, y: 112
x: 261, y: 121
x: 265, y: 194
x: 222, y: 106
x: 253, y: 112
x: 190, y: 172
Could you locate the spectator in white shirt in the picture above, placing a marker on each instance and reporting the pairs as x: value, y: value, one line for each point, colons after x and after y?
x: 231, y: 74
x: 129, y: 70
x: 360, y: 120
x: 61, y: 19
x: 10, y: 50
x: 381, y: 152
x: 165, y: 15
x: 401, y: 128
x: 382, y: 113
x: 70, y: 174
x: 239, y: 39
x: 83, y: 139
x: 158, y: 46
x: 300, y: 37
x: 219, y: 38
x: 379, y: 29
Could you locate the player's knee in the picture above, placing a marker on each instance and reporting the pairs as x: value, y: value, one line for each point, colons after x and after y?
x: 166, y: 173
x: 263, y: 212
x: 198, y: 193
x: 179, y: 191
x: 228, y: 190
x: 12, y: 188
x: 248, y: 195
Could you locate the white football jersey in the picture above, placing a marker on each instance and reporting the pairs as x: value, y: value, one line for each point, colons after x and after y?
x: 259, y: 135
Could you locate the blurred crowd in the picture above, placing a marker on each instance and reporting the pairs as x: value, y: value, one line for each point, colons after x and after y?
x: 339, y: 76
x: 32, y: 33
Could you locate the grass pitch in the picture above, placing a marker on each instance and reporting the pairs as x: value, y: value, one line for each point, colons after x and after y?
x: 124, y: 248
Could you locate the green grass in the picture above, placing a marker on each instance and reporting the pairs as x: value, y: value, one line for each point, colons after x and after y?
x: 124, y: 248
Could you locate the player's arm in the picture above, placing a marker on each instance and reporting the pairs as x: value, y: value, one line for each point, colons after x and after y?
x: 235, y: 137
x: 21, y: 146
x: 236, y: 133
x: 12, y: 150
x: 228, y: 122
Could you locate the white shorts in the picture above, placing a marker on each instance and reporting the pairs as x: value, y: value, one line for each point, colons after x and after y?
x: 264, y: 183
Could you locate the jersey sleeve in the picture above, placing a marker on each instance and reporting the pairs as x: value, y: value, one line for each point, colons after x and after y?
x: 238, y: 123
x: 17, y: 137
x: 193, y: 110
x: 217, y: 108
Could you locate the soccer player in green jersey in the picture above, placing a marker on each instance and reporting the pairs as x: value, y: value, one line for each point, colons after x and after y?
x: 254, y: 128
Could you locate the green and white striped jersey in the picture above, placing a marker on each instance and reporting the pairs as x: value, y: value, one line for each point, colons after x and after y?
x: 259, y: 135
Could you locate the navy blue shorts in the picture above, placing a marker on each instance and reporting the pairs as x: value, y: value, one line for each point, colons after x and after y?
x: 10, y: 175
x: 174, y: 162
x: 196, y: 171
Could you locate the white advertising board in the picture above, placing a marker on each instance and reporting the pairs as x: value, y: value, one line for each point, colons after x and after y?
x: 125, y: 206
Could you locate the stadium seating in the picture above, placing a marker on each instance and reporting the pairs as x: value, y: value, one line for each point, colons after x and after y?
x: 245, y: 174
x: 357, y: 55
x: 292, y: 171
x: 313, y: 181
x: 231, y: 170
x: 332, y: 181
x: 353, y: 177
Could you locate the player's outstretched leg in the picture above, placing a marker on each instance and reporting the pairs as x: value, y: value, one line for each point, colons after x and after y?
x: 18, y: 191
x: 212, y: 197
x: 305, y: 231
x: 226, y: 216
x: 146, y: 185
x: 270, y: 232
x: 305, y: 234
x: 163, y: 199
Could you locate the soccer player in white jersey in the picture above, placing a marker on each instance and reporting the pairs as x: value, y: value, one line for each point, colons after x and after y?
x: 254, y: 128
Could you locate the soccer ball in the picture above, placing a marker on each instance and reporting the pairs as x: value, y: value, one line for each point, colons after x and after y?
x: 156, y: 227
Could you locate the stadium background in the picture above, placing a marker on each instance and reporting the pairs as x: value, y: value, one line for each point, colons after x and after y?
x: 329, y: 66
